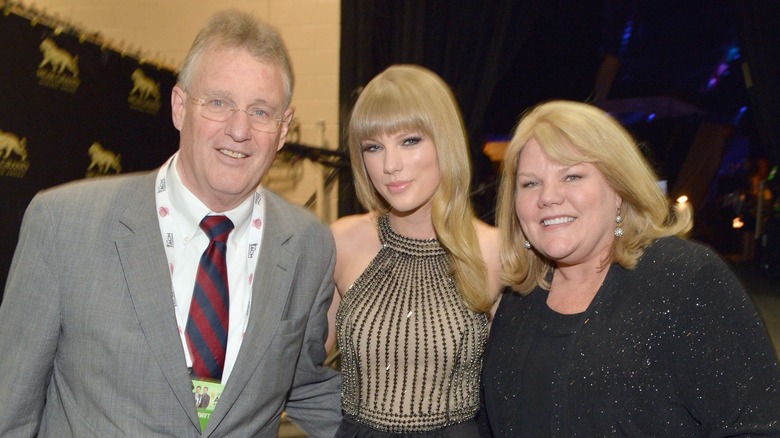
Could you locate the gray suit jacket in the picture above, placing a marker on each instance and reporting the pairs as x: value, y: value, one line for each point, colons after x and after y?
x: 88, y: 337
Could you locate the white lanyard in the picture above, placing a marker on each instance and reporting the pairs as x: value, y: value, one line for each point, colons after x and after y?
x: 172, y: 236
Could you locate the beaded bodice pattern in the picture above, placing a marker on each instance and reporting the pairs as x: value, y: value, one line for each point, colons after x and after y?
x: 411, y: 349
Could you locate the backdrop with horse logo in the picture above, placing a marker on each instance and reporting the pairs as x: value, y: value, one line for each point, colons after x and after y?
x: 71, y: 108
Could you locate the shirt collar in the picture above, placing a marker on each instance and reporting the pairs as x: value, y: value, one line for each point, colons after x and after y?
x: 191, y: 210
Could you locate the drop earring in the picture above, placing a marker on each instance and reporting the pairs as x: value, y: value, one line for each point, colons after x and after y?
x: 618, y: 220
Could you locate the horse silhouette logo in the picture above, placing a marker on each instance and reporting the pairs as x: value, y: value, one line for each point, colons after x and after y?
x: 58, y: 59
x: 144, y: 86
x: 103, y: 160
x: 10, y: 143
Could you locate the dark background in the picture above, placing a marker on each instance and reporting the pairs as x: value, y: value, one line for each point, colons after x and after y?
x: 673, y: 72
x: 59, y: 125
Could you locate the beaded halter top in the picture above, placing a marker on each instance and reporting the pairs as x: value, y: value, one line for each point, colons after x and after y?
x: 411, y: 349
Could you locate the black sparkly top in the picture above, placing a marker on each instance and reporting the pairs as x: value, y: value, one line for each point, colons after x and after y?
x: 671, y: 348
x: 411, y: 349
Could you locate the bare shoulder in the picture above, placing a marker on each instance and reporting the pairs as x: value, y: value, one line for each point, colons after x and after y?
x: 357, y: 242
x: 354, y: 230
x: 489, y: 239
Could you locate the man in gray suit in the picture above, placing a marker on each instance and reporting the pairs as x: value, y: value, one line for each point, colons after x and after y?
x: 100, y: 287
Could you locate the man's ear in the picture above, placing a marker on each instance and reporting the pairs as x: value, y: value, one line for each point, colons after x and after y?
x: 284, y: 127
x: 178, y: 108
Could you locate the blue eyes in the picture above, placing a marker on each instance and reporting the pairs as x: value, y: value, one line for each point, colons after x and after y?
x: 534, y: 183
x: 219, y: 106
x: 373, y: 147
x: 219, y: 110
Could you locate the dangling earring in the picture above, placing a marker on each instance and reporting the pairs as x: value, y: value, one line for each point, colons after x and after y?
x: 527, y: 244
x: 618, y: 228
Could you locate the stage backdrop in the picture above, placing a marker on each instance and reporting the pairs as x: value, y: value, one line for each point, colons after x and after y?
x: 71, y: 108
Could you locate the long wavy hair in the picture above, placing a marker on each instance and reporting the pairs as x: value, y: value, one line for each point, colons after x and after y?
x: 597, y: 138
x: 409, y: 97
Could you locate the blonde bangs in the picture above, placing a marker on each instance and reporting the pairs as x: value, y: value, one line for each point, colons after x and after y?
x: 557, y: 145
x: 381, y: 110
x: 395, y: 100
x: 385, y: 114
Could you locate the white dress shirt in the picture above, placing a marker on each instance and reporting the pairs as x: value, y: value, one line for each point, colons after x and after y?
x: 192, y: 242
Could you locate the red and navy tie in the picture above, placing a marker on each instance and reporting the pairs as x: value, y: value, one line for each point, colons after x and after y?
x: 207, y: 325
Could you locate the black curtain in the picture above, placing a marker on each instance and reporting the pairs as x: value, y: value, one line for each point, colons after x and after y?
x: 760, y: 38
x: 484, y: 49
x: 470, y: 44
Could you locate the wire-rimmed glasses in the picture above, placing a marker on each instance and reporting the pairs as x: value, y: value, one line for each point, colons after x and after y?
x: 220, y: 110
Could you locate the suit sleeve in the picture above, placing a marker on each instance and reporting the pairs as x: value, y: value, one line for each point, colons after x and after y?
x: 314, y: 402
x: 29, y: 323
x: 729, y: 379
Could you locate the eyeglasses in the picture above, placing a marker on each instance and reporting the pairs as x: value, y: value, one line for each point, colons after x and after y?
x: 220, y: 110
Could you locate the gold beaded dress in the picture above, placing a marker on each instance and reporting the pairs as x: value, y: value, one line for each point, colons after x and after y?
x: 411, y: 349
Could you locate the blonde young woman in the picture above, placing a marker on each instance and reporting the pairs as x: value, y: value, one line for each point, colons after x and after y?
x: 620, y: 327
x: 418, y: 275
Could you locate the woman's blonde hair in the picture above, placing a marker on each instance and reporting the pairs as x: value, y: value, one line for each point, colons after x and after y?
x: 409, y: 97
x: 599, y: 139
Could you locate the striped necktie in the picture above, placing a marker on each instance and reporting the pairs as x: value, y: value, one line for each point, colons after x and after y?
x: 207, y: 325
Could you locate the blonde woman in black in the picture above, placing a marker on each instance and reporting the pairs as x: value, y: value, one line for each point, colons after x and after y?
x: 619, y: 326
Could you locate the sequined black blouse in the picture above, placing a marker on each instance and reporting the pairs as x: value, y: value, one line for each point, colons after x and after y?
x: 672, y: 348
x: 411, y: 349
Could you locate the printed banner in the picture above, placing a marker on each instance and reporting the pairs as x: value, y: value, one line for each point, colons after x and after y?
x: 72, y: 109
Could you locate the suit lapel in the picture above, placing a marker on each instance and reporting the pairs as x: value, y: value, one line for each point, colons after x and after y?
x: 273, y: 279
x: 145, y: 267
